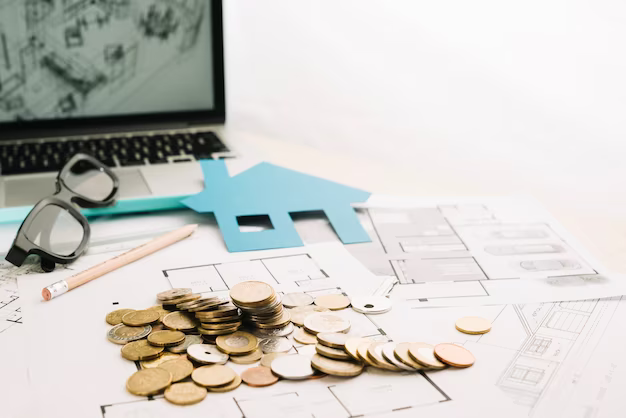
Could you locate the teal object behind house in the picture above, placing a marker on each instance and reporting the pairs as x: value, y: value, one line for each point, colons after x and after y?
x: 267, y: 189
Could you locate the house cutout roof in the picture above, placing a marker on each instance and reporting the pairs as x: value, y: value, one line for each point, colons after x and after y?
x: 267, y: 189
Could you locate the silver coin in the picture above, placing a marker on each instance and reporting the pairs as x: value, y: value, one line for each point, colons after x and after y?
x: 206, y: 354
x: 388, y: 352
x: 276, y: 332
x: 292, y: 300
x: 189, y: 340
x: 275, y: 345
x: 371, y: 304
x: 325, y: 322
x: 292, y: 367
x: 173, y: 294
x: 120, y: 339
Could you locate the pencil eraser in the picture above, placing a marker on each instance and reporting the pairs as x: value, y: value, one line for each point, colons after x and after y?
x: 54, y: 290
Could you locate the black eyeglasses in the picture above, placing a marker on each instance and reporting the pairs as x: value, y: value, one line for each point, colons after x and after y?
x: 55, y: 230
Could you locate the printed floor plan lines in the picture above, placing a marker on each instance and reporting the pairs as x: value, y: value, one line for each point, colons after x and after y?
x: 299, y: 270
x: 501, y: 251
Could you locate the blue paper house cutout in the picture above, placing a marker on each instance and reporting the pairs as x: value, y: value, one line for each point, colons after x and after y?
x: 267, y: 189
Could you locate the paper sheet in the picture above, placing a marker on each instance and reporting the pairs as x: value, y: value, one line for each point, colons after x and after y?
x: 75, y: 321
x: 467, y: 251
x: 524, y: 366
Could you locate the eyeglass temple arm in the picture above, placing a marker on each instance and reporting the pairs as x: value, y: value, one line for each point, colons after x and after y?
x: 16, y: 256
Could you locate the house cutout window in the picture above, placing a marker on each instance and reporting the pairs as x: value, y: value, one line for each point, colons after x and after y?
x: 254, y: 223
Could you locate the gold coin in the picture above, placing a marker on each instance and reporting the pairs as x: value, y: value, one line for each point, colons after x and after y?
x: 161, y: 310
x: 375, y: 353
x: 208, y: 305
x: 166, y: 338
x: 336, y: 367
x: 454, y: 355
x: 180, y: 368
x: 186, y: 393
x: 187, y: 298
x: 267, y: 359
x: 122, y: 334
x: 352, y: 346
x: 220, y: 311
x: 237, y: 343
x: 248, y: 358
x: 334, y: 301
x: 115, y: 317
x: 424, y: 354
x: 196, y: 302
x: 401, y: 353
x: 173, y: 294
x: 363, y: 355
x: 217, y: 331
x: 215, y: 375
x: 333, y: 339
x: 283, y: 320
x: 473, y: 325
x: 221, y: 319
x: 140, y: 350
x: 157, y: 327
x: 304, y: 337
x: 182, y: 347
x: 299, y: 314
x: 209, y: 339
x: 163, y: 357
x: 334, y: 353
x: 179, y: 321
x: 139, y: 318
x: 326, y: 322
x: 227, y: 388
x: 148, y: 382
x: 220, y: 326
x: 251, y: 293
x: 259, y: 376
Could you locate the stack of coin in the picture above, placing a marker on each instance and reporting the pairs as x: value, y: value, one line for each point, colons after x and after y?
x: 162, y: 341
x: 218, y: 319
x: 332, y: 357
x: 261, y: 305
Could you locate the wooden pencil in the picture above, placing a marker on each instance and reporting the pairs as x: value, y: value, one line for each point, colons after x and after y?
x: 64, y: 286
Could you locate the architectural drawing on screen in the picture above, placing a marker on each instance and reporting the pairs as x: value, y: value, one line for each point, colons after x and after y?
x: 73, y: 58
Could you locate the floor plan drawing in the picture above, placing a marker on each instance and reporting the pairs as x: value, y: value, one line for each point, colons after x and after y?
x: 453, y: 253
x: 77, y: 58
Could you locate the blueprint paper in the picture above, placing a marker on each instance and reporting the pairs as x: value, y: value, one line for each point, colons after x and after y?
x: 519, y: 364
x: 317, y: 270
x: 267, y: 189
x: 464, y: 251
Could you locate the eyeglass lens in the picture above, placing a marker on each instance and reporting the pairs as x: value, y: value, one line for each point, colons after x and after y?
x: 88, y: 180
x: 55, y: 230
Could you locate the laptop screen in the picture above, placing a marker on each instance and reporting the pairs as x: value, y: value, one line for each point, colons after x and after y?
x: 72, y: 59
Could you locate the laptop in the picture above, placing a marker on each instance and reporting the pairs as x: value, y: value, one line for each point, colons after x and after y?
x: 137, y: 84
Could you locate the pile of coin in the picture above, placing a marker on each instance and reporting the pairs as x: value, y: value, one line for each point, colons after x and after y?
x: 261, y: 306
x: 183, y: 345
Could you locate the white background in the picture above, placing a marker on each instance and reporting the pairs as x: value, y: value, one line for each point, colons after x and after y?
x: 443, y: 97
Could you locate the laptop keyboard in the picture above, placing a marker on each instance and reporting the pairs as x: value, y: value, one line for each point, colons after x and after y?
x: 39, y: 157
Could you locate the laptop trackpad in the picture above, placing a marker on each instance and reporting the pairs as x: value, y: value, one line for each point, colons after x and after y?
x: 28, y: 191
